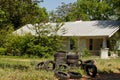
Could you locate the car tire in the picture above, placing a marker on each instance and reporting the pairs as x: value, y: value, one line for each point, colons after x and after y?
x: 61, y: 75
x: 60, y: 54
x: 91, y: 70
x: 49, y: 65
x: 74, y: 75
x: 72, y: 56
x: 89, y: 62
x: 61, y: 66
x: 40, y: 65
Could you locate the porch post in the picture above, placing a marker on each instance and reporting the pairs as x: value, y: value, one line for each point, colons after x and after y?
x: 104, y: 44
x: 104, y: 49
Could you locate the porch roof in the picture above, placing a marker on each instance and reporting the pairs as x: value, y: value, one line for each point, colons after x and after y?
x: 91, y: 28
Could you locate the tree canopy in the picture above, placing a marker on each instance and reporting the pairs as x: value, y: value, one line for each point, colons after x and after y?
x: 88, y: 10
x: 21, y: 12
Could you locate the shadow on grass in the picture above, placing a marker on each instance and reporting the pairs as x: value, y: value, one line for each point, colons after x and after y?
x: 14, y: 66
x: 107, y: 76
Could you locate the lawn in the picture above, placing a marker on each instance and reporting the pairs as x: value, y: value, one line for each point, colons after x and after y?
x: 17, y: 68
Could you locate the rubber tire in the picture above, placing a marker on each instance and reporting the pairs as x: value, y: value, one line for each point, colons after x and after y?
x: 80, y: 63
x: 74, y: 75
x: 64, y: 66
x: 60, y: 60
x: 40, y: 65
x: 94, y: 70
x: 72, y: 56
x: 89, y: 61
x: 72, y: 61
x: 49, y: 68
x: 60, y: 54
x: 61, y: 75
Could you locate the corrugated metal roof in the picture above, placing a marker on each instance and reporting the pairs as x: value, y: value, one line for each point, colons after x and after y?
x: 83, y: 28
x: 91, y: 28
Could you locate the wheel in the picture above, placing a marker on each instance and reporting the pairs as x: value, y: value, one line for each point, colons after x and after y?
x: 60, y: 54
x: 61, y: 75
x: 60, y: 60
x: 91, y: 70
x: 72, y: 56
x: 49, y: 65
x: 89, y: 62
x: 40, y: 65
x: 80, y: 63
x: 72, y: 60
x: 61, y: 66
x: 74, y: 75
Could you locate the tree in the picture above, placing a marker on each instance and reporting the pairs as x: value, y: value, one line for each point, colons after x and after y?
x: 63, y: 13
x: 116, y: 8
x: 21, y: 12
x: 93, y: 10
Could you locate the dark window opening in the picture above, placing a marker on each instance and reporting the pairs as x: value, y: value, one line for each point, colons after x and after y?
x: 91, y: 44
x: 72, y: 44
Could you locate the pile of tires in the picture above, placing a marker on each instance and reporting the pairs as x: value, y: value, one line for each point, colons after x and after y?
x: 60, y: 58
x: 63, y: 61
x: 72, y: 60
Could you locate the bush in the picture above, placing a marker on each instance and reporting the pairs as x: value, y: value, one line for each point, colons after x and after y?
x: 3, y: 51
x: 86, y: 53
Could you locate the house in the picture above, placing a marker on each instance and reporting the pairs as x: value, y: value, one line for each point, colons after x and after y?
x: 91, y: 35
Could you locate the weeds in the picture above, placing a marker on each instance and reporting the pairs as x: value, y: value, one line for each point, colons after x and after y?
x: 24, y: 69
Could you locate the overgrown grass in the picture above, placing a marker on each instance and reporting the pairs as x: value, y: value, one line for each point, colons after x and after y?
x: 12, y: 68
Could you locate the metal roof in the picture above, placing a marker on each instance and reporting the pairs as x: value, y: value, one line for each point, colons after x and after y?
x: 91, y: 28
x: 83, y: 28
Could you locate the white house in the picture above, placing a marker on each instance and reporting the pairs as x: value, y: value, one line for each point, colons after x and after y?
x: 92, y: 35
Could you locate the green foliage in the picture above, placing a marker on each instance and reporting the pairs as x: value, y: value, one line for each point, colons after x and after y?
x: 4, y: 32
x: 74, y: 43
x: 93, y: 10
x: 88, y: 10
x: 63, y: 13
x: 86, y: 53
x: 44, y: 44
x: 114, y: 41
x: 3, y: 51
x: 21, y: 12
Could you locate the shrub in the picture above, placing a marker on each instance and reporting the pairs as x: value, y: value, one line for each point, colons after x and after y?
x: 3, y: 51
x: 86, y: 53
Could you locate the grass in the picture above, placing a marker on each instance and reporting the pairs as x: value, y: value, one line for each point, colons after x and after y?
x: 17, y: 68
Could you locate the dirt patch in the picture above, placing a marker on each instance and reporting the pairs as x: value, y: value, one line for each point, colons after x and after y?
x: 104, y: 76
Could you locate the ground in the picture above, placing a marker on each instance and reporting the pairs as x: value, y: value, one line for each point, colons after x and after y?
x: 104, y: 76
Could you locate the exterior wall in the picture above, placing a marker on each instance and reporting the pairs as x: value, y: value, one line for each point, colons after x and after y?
x: 84, y: 43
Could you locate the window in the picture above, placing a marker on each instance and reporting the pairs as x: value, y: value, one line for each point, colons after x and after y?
x: 71, y: 44
x: 91, y: 44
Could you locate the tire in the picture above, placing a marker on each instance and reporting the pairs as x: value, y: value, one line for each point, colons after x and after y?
x: 89, y: 62
x: 62, y: 75
x: 80, y: 63
x: 91, y: 70
x: 61, y: 67
x: 72, y: 56
x: 72, y: 60
x: 60, y: 60
x: 40, y: 65
x: 74, y: 75
x: 60, y: 54
x: 49, y: 65
x: 60, y: 57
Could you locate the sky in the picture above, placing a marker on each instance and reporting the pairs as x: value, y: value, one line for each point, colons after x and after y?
x: 53, y: 4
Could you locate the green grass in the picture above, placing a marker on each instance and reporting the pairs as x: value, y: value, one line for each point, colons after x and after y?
x: 17, y: 68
